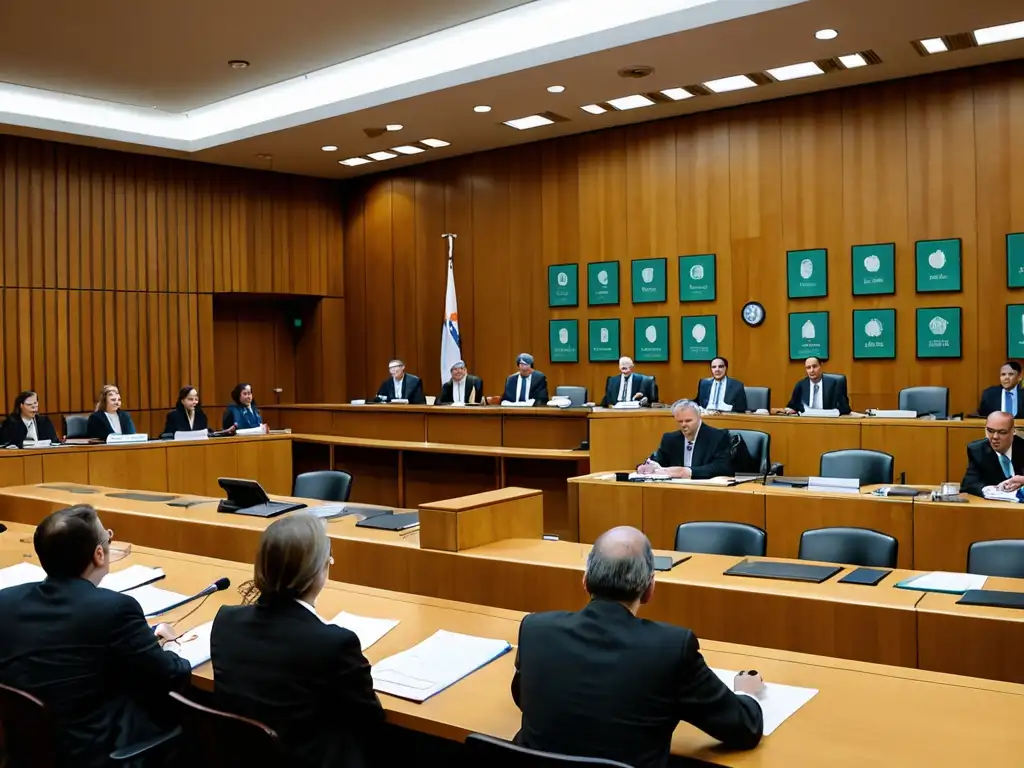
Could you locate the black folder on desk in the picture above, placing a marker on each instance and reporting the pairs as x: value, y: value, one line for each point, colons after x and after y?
x: 993, y: 598
x: 391, y: 522
x: 770, y: 569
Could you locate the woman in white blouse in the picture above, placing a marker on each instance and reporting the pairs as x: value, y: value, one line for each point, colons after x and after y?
x: 25, y: 423
x: 109, y: 419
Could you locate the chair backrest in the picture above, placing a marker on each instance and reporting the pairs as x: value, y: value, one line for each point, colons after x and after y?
x: 758, y: 398
x: 870, y: 467
x: 835, y: 376
x: 76, y: 425
x: 758, y: 446
x: 577, y: 395
x: 926, y: 400
x: 326, y: 485
x: 720, y: 538
x: 219, y: 738
x: 654, y: 389
x: 849, y: 546
x: 26, y: 730
x: 999, y: 557
x: 487, y: 752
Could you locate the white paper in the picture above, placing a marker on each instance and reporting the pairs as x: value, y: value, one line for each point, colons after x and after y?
x: 723, y: 408
x: 834, y: 484
x: 627, y: 405
x: 38, y: 444
x: 195, y: 434
x: 193, y: 645
x: 778, y: 702
x: 992, y: 493
x: 368, y: 630
x: 131, y: 577
x: 901, y: 414
x: 22, y: 573
x: 358, y: 402
x: 662, y: 477
x: 520, y: 404
x: 153, y: 599
x: 399, y: 400
x: 260, y: 430
x: 821, y: 413
x: 439, y: 661
x: 945, y: 581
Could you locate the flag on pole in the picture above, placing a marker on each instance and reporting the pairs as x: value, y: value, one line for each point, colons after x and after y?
x: 451, y: 346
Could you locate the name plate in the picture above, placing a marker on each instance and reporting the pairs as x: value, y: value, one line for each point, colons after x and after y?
x: 138, y: 437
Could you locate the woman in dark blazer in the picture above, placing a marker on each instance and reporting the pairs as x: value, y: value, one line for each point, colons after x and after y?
x: 187, y: 416
x: 24, y: 422
x: 277, y: 661
x: 109, y: 419
x: 243, y: 414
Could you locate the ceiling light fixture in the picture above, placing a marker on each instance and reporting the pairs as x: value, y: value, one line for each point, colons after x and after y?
x: 630, y: 102
x: 382, y: 155
x: 999, y: 34
x: 436, y: 143
x: 934, y: 45
x: 852, y: 61
x: 329, y: 148
x: 796, y: 71
x: 726, y: 84
x: 556, y: 88
x: 352, y: 161
x: 677, y: 94
x: 394, y: 126
x: 826, y: 34
x: 594, y: 109
x: 530, y: 121
x: 482, y: 108
x: 409, y: 149
x: 238, y: 64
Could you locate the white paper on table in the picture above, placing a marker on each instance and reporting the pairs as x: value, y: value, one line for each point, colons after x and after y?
x: 627, y: 405
x: 131, y: 577
x: 893, y: 414
x: 778, y: 702
x: 260, y: 430
x: 193, y: 645
x: 21, y: 573
x: 193, y: 434
x: 664, y: 477
x: 723, y: 408
x: 834, y: 484
x: 945, y: 581
x: 153, y: 599
x: 368, y: 630
x: 441, y: 660
x: 821, y: 413
x: 519, y: 404
x: 992, y: 493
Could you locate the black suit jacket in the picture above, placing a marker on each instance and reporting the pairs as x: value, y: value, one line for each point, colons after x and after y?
x: 90, y: 656
x: 471, y: 383
x: 538, y: 388
x: 833, y: 395
x: 278, y: 663
x: 712, y: 452
x: 641, y: 385
x: 983, y: 467
x: 992, y: 401
x: 177, y: 421
x: 13, y: 431
x: 98, y: 426
x: 603, y: 683
x: 412, y: 390
x: 735, y: 394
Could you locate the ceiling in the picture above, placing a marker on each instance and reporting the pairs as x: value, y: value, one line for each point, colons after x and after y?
x: 84, y: 55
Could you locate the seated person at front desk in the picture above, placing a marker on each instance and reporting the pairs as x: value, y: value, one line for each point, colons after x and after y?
x: 401, y: 386
x: 187, y: 416
x: 629, y: 385
x: 819, y: 392
x: 461, y: 387
x: 998, y: 460
x: 1007, y: 396
x: 24, y: 423
x: 697, y: 451
x: 108, y: 418
x: 604, y: 683
x: 719, y: 391
x: 243, y: 413
x: 526, y: 385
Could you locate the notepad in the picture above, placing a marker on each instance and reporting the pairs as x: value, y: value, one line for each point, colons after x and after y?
x: 368, y: 630
x: 153, y: 599
x: 438, y: 662
x: 22, y: 573
x: 193, y: 645
x: 944, y: 581
x: 778, y: 702
x: 131, y: 577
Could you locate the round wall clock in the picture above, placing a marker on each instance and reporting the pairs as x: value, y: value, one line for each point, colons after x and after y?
x: 753, y: 313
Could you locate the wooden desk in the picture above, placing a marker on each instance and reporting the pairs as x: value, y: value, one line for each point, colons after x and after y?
x: 943, y: 532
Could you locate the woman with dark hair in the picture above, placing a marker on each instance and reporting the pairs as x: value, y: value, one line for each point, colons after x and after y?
x: 275, y: 660
x: 24, y: 422
x: 243, y: 413
x: 187, y: 416
x: 109, y: 419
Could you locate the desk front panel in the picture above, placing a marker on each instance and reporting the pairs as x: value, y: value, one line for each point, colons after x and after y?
x: 921, y: 452
x: 943, y: 532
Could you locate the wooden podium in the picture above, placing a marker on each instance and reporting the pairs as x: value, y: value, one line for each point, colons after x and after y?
x: 458, y: 524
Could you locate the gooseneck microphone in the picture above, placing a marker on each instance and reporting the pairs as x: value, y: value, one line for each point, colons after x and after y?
x: 220, y: 584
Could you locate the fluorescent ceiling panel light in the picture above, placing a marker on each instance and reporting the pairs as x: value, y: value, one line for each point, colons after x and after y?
x: 530, y: 121
x: 409, y: 149
x: 796, y: 71
x: 934, y: 45
x: 481, y: 108
x: 556, y: 88
x: 677, y: 94
x: 631, y: 102
x: 354, y: 161
x: 329, y: 148
x: 394, y: 127
x: 826, y: 34
x: 852, y: 61
x: 593, y: 109
x: 726, y: 84
x: 382, y: 155
x: 999, y: 34
x: 436, y: 143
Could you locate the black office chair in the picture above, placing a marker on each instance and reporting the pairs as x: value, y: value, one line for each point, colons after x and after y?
x: 487, y: 752
x: 577, y: 395
x: 758, y: 398
x: 999, y: 557
x: 326, y: 485
x: 836, y: 377
x: 758, y: 448
x: 932, y: 401
x: 849, y: 546
x: 870, y: 467
x: 719, y: 538
x: 76, y: 425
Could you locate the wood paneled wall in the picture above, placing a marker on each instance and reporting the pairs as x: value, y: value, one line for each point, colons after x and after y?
x: 923, y: 158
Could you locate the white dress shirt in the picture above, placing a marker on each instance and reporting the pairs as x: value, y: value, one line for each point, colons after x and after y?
x: 458, y: 391
x: 309, y: 608
x: 717, y: 397
x: 191, y: 418
x: 30, y: 429
x: 398, y: 388
x: 115, y: 422
x: 815, y: 397
x: 523, y: 387
x: 625, y: 388
x: 688, y: 448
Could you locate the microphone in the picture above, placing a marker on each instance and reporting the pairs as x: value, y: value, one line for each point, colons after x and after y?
x: 220, y: 584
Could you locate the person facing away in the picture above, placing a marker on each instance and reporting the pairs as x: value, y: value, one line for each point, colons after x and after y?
x: 86, y: 652
x: 602, y: 682
x: 275, y: 660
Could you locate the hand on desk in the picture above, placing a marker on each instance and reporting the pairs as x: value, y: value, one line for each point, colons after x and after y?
x: 748, y: 681
x: 650, y: 466
x: 1011, y: 483
x: 164, y: 634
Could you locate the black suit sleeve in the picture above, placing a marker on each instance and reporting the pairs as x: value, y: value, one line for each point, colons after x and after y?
x: 700, y: 399
x: 665, y: 456
x: 45, y: 430
x: 97, y: 427
x: 127, y: 425
x: 842, y: 400
x: 386, y: 389
x: 228, y: 419
x: 171, y: 423
x: 480, y: 390
x: 8, y: 433
x: 606, y: 401
x: 539, y: 393
x: 973, y: 481
x: 136, y: 654
x: 416, y: 396
x: 739, y: 403
x: 446, y: 395
x: 796, y: 401
x: 718, y: 464
x: 353, y: 685
x: 516, y: 684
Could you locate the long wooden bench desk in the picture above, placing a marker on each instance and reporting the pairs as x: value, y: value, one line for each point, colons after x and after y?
x: 863, y: 714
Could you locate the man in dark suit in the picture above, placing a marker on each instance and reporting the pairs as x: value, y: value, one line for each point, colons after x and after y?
x: 401, y: 385
x: 603, y: 683
x: 629, y: 385
x: 85, y: 652
x: 817, y: 391
x: 697, y: 450
x: 998, y: 460
x: 720, y: 390
x: 1008, y: 396
x: 461, y: 387
x: 528, y: 384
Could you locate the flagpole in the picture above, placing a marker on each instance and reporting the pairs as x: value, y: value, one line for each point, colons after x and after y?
x: 451, y: 344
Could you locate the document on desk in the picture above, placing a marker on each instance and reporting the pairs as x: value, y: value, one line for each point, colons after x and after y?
x: 441, y: 660
x: 193, y: 645
x: 153, y: 599
x: 778, y: 702
x: 944, y: 581
x: 368, y: 630
x: 665, y: 478
x: 131, y: 577
x: 22, y: 573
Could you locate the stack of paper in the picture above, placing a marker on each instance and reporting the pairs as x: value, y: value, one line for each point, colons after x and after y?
x: 519, y: 404
x: 834, y: 484
x: 131, y: 577
x: 993, y: 493
x: 944, y: 581
x: 193, y: 645
x: 627, y: 405
x: 441, y: 660
x: 153, y: 599
x: 368, y: 630
x: 260, y: 430
x: 22, y: 573
x: 778, y: 702
x: 821, y: 413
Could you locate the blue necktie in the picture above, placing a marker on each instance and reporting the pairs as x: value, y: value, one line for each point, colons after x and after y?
x: 714, y: 395
x: 1011, y: 402
x: 1004, y: 462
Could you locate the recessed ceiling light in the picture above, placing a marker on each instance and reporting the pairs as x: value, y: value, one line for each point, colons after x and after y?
x: 631, y: 102
x: 999, y: 34
x: 354, y: 161
x: 238, y: 64
x: 593, y: 109
x: 436, y: 143
x: 853, y: 60
x: 530, y: 121
x: 482, y: 108
x: 556, y: 88
x: 394, y: 127
x: 934, y: 45
x: 726, y: 84
x: 826, y: 34
x: 329, y: 148
x: 677, y: 94
x: 796, y: 71
x: 382, y: 155
x: 409, y: 149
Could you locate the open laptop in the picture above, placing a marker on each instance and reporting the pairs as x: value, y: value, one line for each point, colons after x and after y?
x: 247, y: 497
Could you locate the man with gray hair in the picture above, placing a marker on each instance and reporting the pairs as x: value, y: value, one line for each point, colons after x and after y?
x: 526, y: 385
x: 461, y: 388
x: 603, y: 683
x: 697, y: 450
x: 629, y: 386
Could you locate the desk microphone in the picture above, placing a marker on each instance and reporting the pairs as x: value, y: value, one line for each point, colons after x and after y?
x: 217, y: 586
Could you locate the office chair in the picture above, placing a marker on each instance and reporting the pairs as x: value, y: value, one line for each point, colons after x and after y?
x: 577, y: 395
x: 870, y: 467
x: 720, y: 538
x: 758, y: 447
x: 326, y: 485
x: 76, y: 425
x: 758, y: 398
x: 998, y: 557
x: 849, y: 546
x: 487, y: 752
x: 926, y: 401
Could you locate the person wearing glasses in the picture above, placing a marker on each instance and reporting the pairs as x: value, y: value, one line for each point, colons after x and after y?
x: 24, y: 423
x: 997, y: 461
x: 86, y: 653
x: 277, y: 661
x: 108, y: 418
x: 696, y: 450
x: 401, y: 386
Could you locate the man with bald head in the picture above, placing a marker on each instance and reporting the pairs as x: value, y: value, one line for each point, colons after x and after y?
x: 603, y: 683
x: 629, y: 386
x: 997, y: 460
x: 696, y: 450
x: 819, y: 392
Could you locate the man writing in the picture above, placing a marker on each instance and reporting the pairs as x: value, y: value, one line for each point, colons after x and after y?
x: 697, y: 450
x: 997, y: 462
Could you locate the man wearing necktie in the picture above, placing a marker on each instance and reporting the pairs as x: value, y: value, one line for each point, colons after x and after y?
x: 721, y: 393
x: 998, y: 460
x: 817, y: 392
x: 526, y: 385
x: 1007, y: 396
x: 628, y: 386
x: 696, y: 450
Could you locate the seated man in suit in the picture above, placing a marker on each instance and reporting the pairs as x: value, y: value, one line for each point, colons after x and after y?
x: 720, y: 393
x: 998, y: 460
x: 697, y: 450
x: 461, y: 387
x: 528, y: 384
x: 1007, y: 396
x: 87, y: 653
x: 401, y: 385
x: 816, y: 391
x: 603, y: 683
x: 628, y: 385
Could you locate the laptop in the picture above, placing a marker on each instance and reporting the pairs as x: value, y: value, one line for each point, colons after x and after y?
x: 247, y: 497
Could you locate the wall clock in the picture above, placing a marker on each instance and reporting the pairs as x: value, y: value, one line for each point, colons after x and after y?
x: 753, y: 313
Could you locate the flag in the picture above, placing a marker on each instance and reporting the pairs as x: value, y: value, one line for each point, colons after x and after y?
x: 451, y: 346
